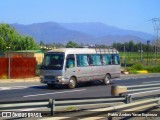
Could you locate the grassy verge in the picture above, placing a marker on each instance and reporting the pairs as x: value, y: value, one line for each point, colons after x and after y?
x: 139, y: 68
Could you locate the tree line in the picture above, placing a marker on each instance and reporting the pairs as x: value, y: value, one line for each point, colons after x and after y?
x: 131, y: 46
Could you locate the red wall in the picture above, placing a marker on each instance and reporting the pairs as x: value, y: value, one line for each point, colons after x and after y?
x: 19, y: 67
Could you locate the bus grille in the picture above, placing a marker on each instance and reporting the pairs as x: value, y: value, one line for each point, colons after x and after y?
x: 50, y: 78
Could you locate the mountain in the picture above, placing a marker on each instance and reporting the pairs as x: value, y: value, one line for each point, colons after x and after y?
x: 86, y: 33
x: 99, y: 29
x: 50, y: 32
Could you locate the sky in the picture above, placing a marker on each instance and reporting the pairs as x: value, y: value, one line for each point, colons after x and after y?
x: 125, y: 14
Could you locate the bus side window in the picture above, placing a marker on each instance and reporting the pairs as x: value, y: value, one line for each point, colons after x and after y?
x: 116, y: 59
x: 112, y: 59
x: 106, y: 59
x: 82, y: 60
x: 70, y: 61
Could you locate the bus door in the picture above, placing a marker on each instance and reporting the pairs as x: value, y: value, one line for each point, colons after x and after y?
x: 70, y: 66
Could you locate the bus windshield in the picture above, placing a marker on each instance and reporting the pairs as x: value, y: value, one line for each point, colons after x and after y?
x: 53, y: 61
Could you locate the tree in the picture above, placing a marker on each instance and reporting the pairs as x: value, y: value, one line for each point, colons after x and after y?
x: 10, y: 38
x: 131, y: 46
x: 71, y: 44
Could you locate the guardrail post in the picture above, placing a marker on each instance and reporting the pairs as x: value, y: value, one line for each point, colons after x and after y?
x: 52, y: 105
x: 128, y: 99
x: 158, y: 102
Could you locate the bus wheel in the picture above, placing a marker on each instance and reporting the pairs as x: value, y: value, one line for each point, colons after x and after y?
x: 72, y: 83
x: 106, y: 79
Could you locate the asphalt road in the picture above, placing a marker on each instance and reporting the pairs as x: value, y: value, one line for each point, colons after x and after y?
x: 37, y: 91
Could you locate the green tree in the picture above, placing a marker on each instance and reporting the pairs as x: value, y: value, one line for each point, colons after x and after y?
x: 131, y: 46
x: 71, y: 44
x: 9, y: 37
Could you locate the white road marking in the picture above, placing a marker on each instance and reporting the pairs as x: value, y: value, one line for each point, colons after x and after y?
x: 121, y: 78
x: 55, y: 93
x: 152, y: 82
x: 16, y: 87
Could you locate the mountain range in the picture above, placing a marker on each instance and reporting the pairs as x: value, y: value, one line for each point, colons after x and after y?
x: 86, y: 33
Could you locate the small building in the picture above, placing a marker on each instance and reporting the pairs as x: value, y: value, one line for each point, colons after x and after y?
x: 38, y: 54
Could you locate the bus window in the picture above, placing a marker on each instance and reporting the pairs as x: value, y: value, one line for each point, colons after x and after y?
x: 70, y: 62
x: 116, y: 59
x: 96, y: 59
x: 106, y: 59
x: 53, y: 61
x: 82, y: 60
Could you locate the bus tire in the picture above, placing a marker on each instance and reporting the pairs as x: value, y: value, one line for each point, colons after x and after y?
x: 106, y: 79
x: 72, y: 83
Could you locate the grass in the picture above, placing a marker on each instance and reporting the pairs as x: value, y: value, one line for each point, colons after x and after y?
x: 132, y: 58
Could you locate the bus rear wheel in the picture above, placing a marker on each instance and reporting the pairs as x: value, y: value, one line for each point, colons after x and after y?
x: 106, y: 79
x: 72, y: 83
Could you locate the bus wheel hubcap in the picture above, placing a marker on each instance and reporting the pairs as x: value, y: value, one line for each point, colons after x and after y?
x: 72, y: 83
x: 106, y: 80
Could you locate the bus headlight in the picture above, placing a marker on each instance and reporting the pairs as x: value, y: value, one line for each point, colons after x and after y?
x: 59, y: 77
x: 41, y: 77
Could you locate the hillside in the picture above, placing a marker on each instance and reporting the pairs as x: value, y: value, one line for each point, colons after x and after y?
x: 51, y: 32
x: 86, y: 33
x: 98, y: 29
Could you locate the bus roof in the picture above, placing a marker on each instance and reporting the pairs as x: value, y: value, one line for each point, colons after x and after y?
x: 85, y: 50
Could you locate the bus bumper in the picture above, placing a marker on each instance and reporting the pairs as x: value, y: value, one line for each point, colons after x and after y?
x: 56, y: 80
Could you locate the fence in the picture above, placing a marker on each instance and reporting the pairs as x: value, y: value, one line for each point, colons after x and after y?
x: 3, y: 67
x: 17, y: 67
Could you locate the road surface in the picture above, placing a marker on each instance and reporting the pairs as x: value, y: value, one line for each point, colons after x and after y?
x: 37, y: 91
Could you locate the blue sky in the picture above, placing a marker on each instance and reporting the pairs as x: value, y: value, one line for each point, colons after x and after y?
x: 126, y: 14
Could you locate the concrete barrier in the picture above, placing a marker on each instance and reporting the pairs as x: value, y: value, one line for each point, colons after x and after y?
x: 116, y: 90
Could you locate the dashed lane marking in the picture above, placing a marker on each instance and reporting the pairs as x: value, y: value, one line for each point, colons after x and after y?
x: 17, y: 87
x: 55, y: 93
x: 152, y: 82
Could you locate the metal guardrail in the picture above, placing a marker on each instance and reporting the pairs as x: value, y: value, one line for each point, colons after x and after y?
x: 57, y: 103
x: 137, y: 91
x: 143, y: 87
x: 141, y: 95
x: 118, y: 90
x: 4, y: 106
x: 139, y: 105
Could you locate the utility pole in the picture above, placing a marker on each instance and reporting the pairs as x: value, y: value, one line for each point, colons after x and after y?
x: 141, y: 52
x: 156, y: 25
x: 124, y: 57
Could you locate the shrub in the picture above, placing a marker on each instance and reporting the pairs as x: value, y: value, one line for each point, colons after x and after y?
x: 137, y: 66
x: 134, y: 68
x: 153, y: 69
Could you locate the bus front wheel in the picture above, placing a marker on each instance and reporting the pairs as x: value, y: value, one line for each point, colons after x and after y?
x: 72, y: 83
x: 106, y: 79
